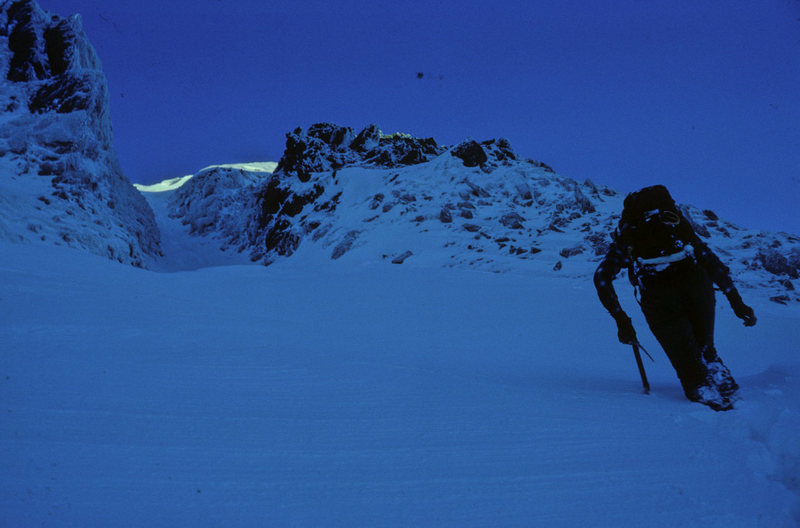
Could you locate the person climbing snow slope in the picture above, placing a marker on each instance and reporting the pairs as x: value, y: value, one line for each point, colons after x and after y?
x: 673, y: 273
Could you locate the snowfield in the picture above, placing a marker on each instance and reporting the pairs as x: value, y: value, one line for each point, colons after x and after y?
x: 423, y: 346
x: 373, y: 395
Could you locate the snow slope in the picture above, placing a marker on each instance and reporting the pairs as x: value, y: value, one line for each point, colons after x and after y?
x: 304, y: 394
x: 182, y: 248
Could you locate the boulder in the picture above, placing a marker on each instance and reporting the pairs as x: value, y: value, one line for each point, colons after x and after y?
x: 470, y: 152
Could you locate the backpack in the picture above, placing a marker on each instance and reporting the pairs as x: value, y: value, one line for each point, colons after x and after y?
x: 651, y: 224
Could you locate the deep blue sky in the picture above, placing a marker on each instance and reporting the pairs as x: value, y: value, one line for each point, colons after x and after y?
x: 701, y: 95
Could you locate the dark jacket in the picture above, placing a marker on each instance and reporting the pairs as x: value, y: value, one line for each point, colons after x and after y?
x: 627, y: 251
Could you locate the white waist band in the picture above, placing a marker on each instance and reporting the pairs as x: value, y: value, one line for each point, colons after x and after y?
x: 666, y: 260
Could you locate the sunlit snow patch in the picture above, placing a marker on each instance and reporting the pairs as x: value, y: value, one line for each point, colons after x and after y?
x: 176, y: 183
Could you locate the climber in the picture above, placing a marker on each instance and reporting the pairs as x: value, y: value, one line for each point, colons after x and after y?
x: 673, y: 273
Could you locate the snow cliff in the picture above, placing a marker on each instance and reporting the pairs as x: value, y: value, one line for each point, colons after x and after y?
x: 60, y: 180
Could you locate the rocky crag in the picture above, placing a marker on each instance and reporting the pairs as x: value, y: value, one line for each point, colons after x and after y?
x: 60, y: 178
x: 367, y: 196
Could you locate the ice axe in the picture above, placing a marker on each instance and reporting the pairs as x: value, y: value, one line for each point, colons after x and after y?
x: 636, y: 346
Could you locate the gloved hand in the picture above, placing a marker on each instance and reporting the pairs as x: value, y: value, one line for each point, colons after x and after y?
x: 742, y: 311
x: 625, y: 331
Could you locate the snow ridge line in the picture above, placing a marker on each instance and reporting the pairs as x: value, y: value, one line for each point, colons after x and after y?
x: 372, y: 197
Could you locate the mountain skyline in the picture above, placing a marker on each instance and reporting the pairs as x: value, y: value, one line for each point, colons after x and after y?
x: 698, y: 96
x: 337, y: 191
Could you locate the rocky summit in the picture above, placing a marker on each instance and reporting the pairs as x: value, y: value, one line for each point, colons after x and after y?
x: 364, y: 197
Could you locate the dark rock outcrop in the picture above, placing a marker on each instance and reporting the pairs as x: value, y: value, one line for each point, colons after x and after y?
x: 512, y: 221
x: 777, y: 264
x: 307, y: 170
x: 470, y: 153
x: 488, y: 155
x: 326, y: 147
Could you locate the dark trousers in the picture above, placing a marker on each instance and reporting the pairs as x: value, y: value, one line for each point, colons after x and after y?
x: 679, y: 306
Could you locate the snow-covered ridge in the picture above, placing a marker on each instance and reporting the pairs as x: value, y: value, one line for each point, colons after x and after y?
x: 60, y: 181
x: 176, y: 183
x: 370, y: 197
x: 335, y: 195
